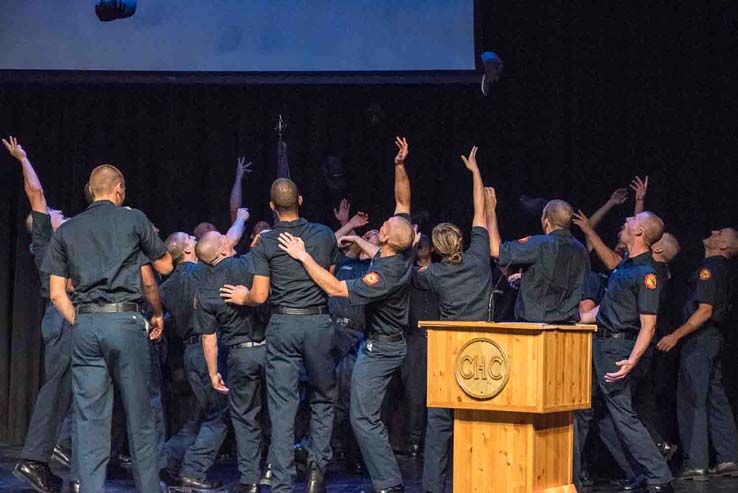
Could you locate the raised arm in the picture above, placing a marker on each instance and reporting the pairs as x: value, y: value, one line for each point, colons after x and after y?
x: 640, y: 187
x: 235, y: 232
x: 490, y: 204
x: 236, y: 199
x: 480, y: 215
x: 402, y: 182
x: 608, y: 256
x: 295, y: 248
x: 359, y: 220
x: 370, y: 249
x: 618, y: 197
x: 31, y: 183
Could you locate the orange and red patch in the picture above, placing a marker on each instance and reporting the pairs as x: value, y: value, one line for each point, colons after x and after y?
x: 650, y: 281
x: 371, y: 279
x: 705, y: 274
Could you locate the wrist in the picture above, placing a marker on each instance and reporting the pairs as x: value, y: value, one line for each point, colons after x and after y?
x: 640, y: 199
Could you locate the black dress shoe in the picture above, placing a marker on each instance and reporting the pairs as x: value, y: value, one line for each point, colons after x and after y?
x: 395, y: 489
x: 194, y: 485
x: 74, y: 486
x: 266, y: 478
x: 38, y: 476
x: 724, y: 469
x: 660, y: 488
x: 315, y: 480
x: 62, y: 455
x: 637, y: 485
x: 125, y: 462
x: 694, y: 474
x: 248, y: 488
x: 168, y: 478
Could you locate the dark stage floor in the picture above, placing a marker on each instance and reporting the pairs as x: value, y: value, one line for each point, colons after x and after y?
x: 340, y: 481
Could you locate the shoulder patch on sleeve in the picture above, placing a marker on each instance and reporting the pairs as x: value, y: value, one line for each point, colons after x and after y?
x: 524, y: 240
x: 650, y: 281
x: 705, y: 274
x: 371, y: 278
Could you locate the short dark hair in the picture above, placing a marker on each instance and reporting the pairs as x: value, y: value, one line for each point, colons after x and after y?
x: 284, y: 195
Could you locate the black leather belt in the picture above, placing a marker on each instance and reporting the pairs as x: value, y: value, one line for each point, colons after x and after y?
x: 107, y: 308
x: 604, y: 334
x: 375, y: 337
x: 313, y: 310
x: 247, y: 344
x: 191, y: 340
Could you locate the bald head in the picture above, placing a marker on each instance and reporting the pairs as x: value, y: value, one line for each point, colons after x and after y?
x: 179, y: 245
x: 105, y: 181
x: 558, y: 214
x: 666, y: 248
x: 203, y: 228
x: 652, y: 226
x: 210, y: 247
x: 284, y: 195
x: 722, y: 242
x: 399, y: 234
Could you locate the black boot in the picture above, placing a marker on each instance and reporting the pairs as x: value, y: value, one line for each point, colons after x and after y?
x: 315, y: 480
x: 195, y: 485
x: 248, y: 488
x: 266, y: 478
x: 395, y: 489
x: 38, y: 475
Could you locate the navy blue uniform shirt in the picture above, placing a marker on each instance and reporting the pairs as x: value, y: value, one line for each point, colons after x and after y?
x: 347, y: 269
x: 556, y: 267
x: 291, y: 286
x: 463, y: 289
x: 41, y: 234
x: 712, y: 284
x: 594, y: 287
x: 100, y: 251
x: 234, y: 324
x: 177, y: 295
x: 634, y: 289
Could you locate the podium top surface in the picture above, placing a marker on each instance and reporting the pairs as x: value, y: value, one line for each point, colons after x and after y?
x: 493, y: 326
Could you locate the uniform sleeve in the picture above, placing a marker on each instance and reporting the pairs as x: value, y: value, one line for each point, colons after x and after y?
x: 335, y: 256
x: 242, y: 271
x: 405, y: 216
x: 706, y: 288
x: 203, y: 321
x: 41, y: 231
x: 56, y: 262
x: 649, y: 293
x: 374, y: 286
x: 524, y: 251
x: 479, y: 244
x: 260, y: 259
x: 422, y: 279
x: 151, y: 244
x: 593, y: 288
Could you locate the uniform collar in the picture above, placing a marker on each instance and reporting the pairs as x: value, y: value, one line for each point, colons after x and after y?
x: 101, y: 203
x: 292, y: 224
x: 643, y: 258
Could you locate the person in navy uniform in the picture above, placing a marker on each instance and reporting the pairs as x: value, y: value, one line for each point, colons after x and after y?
x: 626, y: 321
x: 463, y: 283
x: 52, y: 402
x: 238, y: 328
x: 299, y: 333
x: 384, y: 291
x: 192, y: 451
x: 555, y: 267
x: 703, y: 410
x: 100, y: 252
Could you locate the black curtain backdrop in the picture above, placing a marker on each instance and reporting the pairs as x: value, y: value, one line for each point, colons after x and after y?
x: 592, y: 94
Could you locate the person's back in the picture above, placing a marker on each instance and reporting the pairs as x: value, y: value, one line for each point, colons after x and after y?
x: 177, y: 294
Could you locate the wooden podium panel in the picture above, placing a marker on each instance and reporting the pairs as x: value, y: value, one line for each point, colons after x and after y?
x: 512, y: 387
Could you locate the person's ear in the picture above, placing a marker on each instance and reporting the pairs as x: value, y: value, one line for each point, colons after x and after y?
x: 271, y: 206
x: 299, y: 200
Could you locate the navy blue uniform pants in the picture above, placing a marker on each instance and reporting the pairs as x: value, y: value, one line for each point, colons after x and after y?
x: 107, y: 347
x: 55, y: 394
x: 438, y: 435
x: 374, y: 368
x: 620, y: 429
x: 206, y: 430
x: 246, y: 385
x: 413, y: 375
x: 343, y: 436
x: 294, y: 341
x: 703, y: 409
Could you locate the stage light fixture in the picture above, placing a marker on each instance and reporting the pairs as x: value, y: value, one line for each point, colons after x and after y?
x: 492, y: 70
x: 110, y: 10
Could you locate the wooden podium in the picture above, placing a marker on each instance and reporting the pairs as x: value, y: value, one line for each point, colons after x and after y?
x: 512, y: 387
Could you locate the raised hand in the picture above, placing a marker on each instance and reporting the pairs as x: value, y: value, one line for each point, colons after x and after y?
x: 243, y: 214
x: 581, y: 220
x: 359, y: 220
x: 242, y: 167
x: 471, y: 161
x: 347, y: 240
x: 235, y: 295
x: 490, y: 198
x: 640, y: 187
x: 418, y: 234
x: 403, y: 149
x: 293, y: 245
x: 619, y: 196
x: 14, y: 148
x: 342, y: 214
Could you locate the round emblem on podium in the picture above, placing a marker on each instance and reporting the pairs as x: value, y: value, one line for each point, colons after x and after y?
x: 482, y: 368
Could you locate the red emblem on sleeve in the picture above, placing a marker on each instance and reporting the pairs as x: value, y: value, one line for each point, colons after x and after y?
x: 705, y: 274
x: 524, y: 240
x: 371, y: 279
x: 650, y: 281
